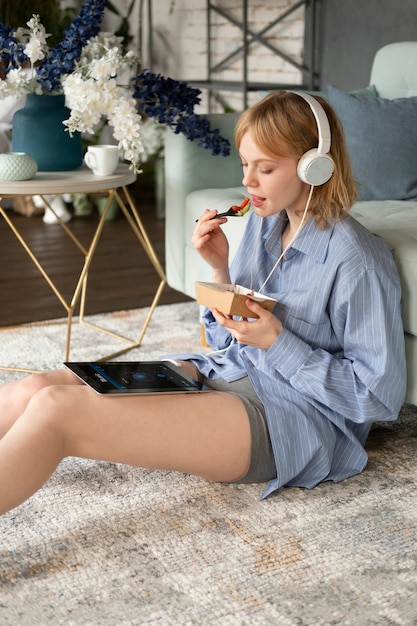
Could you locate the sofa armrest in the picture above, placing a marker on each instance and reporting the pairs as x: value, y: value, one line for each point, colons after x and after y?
x: 394, y: 71
x: 188, y: 168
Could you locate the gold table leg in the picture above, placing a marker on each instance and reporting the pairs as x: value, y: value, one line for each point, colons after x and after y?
x: 80, y: 291
x: 139, y: 230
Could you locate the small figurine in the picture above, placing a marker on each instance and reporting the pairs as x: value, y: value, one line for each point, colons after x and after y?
x: 236, y: 211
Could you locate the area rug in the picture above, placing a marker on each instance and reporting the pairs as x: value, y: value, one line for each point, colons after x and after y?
x: 109, y: 545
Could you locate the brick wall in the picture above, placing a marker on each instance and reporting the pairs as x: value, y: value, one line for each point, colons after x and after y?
x: 180, y: 42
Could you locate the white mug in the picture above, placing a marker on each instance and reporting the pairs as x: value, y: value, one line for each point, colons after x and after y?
x: 102, y: 159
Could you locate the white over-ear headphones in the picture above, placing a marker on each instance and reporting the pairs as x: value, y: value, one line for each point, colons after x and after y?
x: 316, y: 166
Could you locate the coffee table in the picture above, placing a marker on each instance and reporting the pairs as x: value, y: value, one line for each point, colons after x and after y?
x: 83, y: 180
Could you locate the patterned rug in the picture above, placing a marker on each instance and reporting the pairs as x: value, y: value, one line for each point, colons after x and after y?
x: 109, y: 545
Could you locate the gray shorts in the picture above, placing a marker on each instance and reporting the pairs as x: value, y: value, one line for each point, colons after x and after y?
x: 262, y: 466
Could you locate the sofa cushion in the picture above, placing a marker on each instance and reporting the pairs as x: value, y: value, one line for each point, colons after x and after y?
x: 370, y: 92
x: 396, y: 222
x: 381, y: 137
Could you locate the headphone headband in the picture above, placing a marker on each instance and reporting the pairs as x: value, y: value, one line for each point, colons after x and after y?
x: 316, y: 166
x: 322, y: 122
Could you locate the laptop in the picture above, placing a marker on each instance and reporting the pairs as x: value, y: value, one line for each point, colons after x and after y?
x: 134, y: 377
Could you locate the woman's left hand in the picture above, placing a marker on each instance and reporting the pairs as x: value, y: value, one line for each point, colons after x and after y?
x: 259, y: 333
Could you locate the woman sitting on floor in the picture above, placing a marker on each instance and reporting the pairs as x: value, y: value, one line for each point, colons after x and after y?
x: 295, y: 391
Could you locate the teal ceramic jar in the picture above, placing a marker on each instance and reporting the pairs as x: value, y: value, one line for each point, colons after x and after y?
x: 38, y: 130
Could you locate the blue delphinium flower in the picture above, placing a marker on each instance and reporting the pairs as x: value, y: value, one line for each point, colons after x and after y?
x: 172, y: 102
x: 11, y: 49
x: 62, y: 58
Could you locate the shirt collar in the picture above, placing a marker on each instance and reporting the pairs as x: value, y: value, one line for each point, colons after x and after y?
x: 310, y: 241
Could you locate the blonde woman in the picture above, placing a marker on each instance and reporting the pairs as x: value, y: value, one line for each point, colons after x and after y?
x: 294, y: 391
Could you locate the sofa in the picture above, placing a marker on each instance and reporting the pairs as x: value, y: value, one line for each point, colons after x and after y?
x: 380, y: 123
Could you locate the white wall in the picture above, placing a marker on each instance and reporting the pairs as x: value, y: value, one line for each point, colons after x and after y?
x: 180, y: 41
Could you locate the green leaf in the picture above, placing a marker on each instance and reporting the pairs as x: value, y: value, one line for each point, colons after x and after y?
x: 112, y: 8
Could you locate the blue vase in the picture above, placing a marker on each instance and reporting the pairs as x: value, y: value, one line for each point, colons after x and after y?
x: 38, y: 130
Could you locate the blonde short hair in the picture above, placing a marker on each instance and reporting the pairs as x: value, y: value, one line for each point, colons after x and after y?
x: 283, y: 124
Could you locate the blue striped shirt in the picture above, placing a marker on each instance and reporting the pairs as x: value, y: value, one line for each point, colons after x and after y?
x: 338, y: 364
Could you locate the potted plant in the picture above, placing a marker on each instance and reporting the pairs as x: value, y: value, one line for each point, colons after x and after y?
x: 96, y: 75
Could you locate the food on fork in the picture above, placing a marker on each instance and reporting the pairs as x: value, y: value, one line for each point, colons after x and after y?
x: 236, y: 211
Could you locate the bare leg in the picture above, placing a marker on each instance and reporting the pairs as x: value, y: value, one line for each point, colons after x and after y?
x: 203, y: 434
x: 15, y: 396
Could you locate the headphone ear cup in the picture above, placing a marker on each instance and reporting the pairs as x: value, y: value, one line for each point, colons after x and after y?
x: 314, y: 168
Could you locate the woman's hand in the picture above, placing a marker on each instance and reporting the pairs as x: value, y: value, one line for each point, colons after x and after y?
x: 260, y: 333
x: 210, y: 241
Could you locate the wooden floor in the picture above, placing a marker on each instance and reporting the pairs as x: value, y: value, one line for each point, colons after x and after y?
x: 121, y: 275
